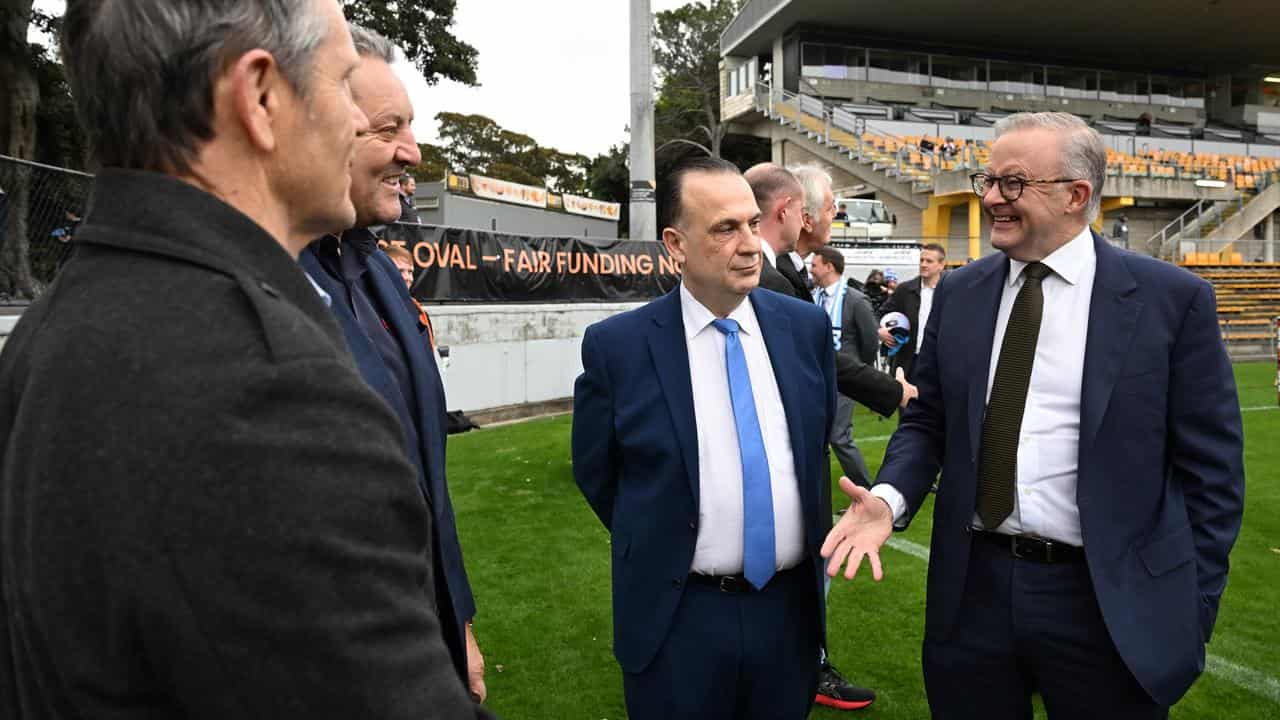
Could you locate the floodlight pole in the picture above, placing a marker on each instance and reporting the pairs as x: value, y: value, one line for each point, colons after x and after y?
x: 643, y: 210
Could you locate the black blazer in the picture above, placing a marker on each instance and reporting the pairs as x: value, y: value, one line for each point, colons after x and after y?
x: 906, y: 300
x: 771, y: 279
x: 787, y: 269
x: 204, y: 511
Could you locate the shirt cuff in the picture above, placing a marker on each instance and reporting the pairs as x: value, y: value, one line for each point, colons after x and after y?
x: 897, y: 503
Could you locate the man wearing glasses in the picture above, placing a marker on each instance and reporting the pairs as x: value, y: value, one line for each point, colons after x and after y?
x: 1079, y: 401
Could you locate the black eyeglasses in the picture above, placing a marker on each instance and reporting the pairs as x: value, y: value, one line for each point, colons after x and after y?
x: 1011, y: 186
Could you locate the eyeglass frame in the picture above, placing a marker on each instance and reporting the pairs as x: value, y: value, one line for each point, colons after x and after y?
x: 998, y: 181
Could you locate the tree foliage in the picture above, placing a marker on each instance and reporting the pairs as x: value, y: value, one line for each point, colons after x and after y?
x: 686, y: 56
x: 422, y: 29
x: 37, y: 117
x: 475, y: 143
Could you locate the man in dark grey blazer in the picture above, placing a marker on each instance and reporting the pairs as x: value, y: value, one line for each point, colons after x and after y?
x: 853, y: 327
x: 181, y: 422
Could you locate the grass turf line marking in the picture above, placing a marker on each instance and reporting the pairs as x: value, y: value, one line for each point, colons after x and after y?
x: 1259, y: 408
x: 1255, y: 682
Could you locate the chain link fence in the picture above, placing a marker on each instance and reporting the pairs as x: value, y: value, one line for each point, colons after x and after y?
x: 40, y: 209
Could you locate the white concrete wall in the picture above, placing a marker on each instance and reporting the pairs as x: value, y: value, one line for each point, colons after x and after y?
x: 514, y: 354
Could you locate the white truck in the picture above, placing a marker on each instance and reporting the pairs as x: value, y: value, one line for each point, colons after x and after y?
x: 867, y: 219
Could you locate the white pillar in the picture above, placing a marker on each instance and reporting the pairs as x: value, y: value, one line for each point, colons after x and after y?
x: 643, y: 209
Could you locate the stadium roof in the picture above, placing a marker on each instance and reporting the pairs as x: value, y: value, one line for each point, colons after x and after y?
x: 1194, y: 36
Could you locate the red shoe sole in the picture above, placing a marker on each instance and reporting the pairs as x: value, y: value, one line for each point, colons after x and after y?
x: 841, y: 704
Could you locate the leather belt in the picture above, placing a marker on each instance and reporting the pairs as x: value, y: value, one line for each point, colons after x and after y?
x: 736, y: 583
x: 1025, y: 547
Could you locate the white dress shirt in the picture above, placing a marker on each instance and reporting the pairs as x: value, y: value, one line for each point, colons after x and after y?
x: 1049, y: 441
x: 769, y: 253
x: 829, y: 296
x: 926, y: 307
x: 719, y: 545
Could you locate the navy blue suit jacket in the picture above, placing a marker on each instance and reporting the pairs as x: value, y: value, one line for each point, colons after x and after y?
x: 1161, y: 471
x: 635, y: 448
x: 430, y: 423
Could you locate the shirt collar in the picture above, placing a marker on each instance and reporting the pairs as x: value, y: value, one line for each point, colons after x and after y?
x: 831, y: 289
x: 769, y: 252
x: 697, y: 317
x: 1067, y: 262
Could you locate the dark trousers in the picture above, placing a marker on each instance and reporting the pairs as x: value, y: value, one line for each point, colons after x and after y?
x: 1028, y: 627
x: 735, y: 656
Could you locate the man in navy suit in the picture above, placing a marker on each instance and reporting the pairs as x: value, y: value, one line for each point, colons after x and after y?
x: 1081, y: 405
x: 699, y: 432
x: 391, y: 346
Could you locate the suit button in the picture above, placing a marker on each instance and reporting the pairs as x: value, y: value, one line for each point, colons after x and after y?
x: 677, y: 582
x: 693, y: 526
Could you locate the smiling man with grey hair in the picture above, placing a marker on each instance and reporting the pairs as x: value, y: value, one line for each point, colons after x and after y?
x: 382, y: 326
x: 1080, y: 404
x: 204, y: 511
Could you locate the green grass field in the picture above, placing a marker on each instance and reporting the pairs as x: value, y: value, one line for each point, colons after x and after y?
x: 539, y: 564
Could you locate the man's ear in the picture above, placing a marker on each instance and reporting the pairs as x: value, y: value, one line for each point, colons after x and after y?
x: 806, y: 221
x: 1081, y: 192
x: 258, y: 93
x: 674, y: 242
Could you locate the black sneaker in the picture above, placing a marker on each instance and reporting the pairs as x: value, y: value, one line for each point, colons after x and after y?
x: 836, y: 692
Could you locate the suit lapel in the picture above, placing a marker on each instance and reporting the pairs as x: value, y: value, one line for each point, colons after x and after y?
x: 423, y: 373
x: 670, y: 355
x: 983, y: 306
x: 780, y: 342
x: 1113, y: 315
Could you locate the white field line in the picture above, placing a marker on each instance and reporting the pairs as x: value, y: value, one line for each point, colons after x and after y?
x: 1260, y: 408
x: 1255, y: 682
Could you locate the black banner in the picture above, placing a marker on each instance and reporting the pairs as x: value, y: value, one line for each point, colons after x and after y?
x: 456, y: 264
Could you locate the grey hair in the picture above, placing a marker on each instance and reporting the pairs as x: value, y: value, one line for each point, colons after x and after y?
x: 142, y: 72
x: 370, y: 43
x: 1083, y: 153
x: 816, y: 182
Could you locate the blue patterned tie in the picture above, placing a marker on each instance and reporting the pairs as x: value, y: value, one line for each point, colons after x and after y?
x: 758, y: 554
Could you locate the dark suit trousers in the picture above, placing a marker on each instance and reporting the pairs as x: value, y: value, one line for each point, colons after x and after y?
x: 1029, y: 627
x: 735, y: 656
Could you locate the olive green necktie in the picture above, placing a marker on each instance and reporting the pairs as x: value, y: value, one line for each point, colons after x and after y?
x: 997, y: 471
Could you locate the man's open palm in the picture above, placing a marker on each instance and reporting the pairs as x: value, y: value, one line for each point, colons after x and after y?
x: 861, y: 531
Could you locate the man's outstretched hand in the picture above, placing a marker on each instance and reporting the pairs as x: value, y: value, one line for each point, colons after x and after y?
x: 861, y: 531
x: 909, y: 391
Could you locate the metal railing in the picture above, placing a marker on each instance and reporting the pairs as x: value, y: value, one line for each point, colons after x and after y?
x: 40, y: 209
x: 1199, y: 221
x: 771, y: 100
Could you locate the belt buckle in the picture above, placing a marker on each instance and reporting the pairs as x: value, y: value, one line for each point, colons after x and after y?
x: 726, y: 584
x: 1013, y: 548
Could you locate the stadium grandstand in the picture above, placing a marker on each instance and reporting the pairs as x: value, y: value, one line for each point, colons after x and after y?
x: 897, y: 101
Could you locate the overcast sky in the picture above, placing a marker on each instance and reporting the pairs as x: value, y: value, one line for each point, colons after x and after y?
x: 555, y: 70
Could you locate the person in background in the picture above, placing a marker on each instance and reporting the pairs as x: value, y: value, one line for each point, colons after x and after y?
x: 815, y: 230
x: 841, y: 215
x: 205, y: 512
x: 780, y: 198
x: 873, y: 288
x: 1120, y: 231
x: 404, y: 263
x: 384, y: 329
x: 853, y: 330
x: 915, y: 299
x: 408, y: 212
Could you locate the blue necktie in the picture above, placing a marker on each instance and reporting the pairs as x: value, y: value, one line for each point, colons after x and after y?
x: 758, y: 554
